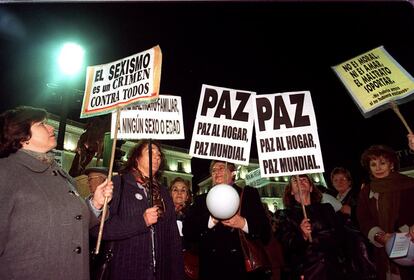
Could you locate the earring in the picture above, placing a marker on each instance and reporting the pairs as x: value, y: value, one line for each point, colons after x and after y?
x: 27, y: 142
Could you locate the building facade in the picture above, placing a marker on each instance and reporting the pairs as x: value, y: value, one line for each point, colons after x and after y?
x: 178, y: 162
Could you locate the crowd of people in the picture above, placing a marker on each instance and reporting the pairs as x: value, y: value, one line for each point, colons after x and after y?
x: 48, y: 230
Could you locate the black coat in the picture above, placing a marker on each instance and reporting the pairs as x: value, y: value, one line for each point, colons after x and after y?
x: 351, y: 199
x: 132, y: 238
x: 221, y: 256
x: 317, y: 259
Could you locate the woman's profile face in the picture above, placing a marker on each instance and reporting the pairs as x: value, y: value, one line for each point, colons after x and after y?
x: 43, y: 138
x: 380, y: 167
x: 179, y: 193
x: 143, y: 160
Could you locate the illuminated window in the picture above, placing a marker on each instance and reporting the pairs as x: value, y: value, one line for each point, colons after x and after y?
x: 180, y: 166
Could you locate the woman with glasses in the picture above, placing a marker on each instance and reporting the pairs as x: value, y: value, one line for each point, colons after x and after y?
x: 146, y: 241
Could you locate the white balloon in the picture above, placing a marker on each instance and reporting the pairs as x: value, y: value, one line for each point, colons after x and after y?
x: 222, y: 201
x: 408, y: 260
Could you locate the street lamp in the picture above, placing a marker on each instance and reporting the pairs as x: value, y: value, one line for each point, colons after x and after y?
x: 70, y: 61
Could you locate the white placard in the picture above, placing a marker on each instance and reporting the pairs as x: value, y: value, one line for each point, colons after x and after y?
x: 162, y: 119
x: 224, y: 125
x: 133, y: 79
x: 286, y: 134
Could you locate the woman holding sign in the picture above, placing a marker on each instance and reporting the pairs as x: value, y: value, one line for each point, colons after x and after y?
x: 385, y: 207
x: 145, y: 237
x: 311, y: 246
x: 44, y: 223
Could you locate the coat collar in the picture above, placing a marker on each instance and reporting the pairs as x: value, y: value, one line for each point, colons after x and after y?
x: 30, y: 162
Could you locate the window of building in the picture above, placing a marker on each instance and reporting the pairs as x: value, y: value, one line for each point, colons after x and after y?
x: 180, y: 166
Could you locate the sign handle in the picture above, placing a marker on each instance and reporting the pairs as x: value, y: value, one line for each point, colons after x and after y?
x: 111, y: 166
x: 301, y: 203
x: 397, y: 111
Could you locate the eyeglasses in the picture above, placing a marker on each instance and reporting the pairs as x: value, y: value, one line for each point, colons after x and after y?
x: 218, y: 169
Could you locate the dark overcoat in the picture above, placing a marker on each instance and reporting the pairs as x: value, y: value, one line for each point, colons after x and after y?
x: 316, y: 260
x: 133, y: 258
x: 221, y: 256
x: 368, y: 217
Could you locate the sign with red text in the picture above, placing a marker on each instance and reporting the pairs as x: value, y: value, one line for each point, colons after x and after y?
x: 162, y: 119
x: 130, y: 80
x: 374, y: 79
x: 224, y: 125
x: 286, y: 134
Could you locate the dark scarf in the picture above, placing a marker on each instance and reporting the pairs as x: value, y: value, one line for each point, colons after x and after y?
x: 389, y: 190
x: 157, y: 199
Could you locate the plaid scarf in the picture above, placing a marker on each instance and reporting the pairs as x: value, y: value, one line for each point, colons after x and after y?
x: 157, y: 199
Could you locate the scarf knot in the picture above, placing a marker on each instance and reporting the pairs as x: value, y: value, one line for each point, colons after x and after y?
x: 153, y: 189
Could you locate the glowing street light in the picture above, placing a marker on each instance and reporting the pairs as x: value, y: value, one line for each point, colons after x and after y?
x: 71, y: 58
x: 70, y: 62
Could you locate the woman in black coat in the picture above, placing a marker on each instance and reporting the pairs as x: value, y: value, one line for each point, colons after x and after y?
x: 146, y: 241
x: 310, y: 246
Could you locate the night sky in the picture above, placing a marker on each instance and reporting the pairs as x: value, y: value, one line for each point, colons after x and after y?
x: 266, y: 47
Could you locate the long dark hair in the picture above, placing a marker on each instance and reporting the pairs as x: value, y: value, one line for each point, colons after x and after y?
x: 136, y: 152
x: 15, y: 127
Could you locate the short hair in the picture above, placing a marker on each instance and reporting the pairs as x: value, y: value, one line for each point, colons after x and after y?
x: 343, y: 171
x: 15, y: 127
x: 230, y: 166
x: 186, y: 183
x: 136, y: 152
x: 376, y: 151
x: 182, y: 180
x: 289, y: 200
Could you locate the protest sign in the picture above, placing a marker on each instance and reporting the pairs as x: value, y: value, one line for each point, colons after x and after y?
x: 375, y: 79
x: 286, y: 134
x: 224, y: 125
x: 122, y: 82
x: 109, y: 87
x: 254, y: 179
x: 162, y: 119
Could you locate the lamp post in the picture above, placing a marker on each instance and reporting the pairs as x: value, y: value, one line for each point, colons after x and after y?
x: 70, y: 61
